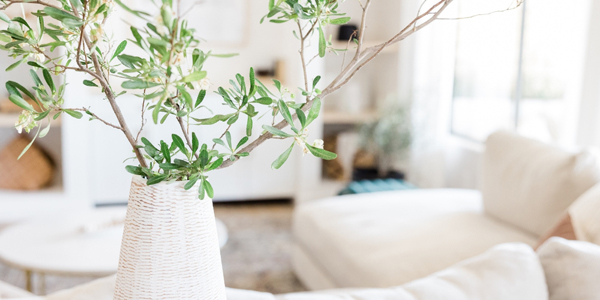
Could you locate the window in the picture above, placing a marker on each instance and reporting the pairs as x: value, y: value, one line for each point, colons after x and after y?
x: 519, y: 69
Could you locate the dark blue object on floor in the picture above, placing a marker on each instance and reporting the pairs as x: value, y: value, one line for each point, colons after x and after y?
x: 377, y: 185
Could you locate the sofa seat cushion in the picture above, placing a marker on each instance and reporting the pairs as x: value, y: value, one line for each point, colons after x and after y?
x: 506, y: 272
x: 390, y: 238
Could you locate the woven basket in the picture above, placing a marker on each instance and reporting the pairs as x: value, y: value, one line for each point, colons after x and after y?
x: 33, y: 171
x: 170, y: 248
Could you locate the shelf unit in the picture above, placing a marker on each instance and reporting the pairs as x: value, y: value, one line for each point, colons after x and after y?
x: 366, y: 91
x: 342, y: 118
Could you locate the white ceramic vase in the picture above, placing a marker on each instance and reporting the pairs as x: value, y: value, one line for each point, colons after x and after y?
x: 170, y: 247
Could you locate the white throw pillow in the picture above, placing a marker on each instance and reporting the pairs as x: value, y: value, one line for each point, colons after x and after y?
x: 506, y: 272
x: 585, y: 216
x: 530, y: 184
x: 572, y: 269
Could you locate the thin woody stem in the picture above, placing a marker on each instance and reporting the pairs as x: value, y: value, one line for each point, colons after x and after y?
x: 352, y: 68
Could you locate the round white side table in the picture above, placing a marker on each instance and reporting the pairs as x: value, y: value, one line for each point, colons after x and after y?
x: 74, y: 244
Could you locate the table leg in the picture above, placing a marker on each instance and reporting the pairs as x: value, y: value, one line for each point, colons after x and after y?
x: 28, y: 281
x: 42, y: 286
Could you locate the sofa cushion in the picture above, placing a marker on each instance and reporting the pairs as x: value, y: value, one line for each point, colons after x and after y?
x: 572, y: 269
x: 585, y: 216
x: 530, y: 184
x: 506, y: 272
x: 104, y: 288
x: 389, y: 238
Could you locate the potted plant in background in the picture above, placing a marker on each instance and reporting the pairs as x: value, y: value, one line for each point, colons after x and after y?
x: 170, y: 248
x: 384, y: 143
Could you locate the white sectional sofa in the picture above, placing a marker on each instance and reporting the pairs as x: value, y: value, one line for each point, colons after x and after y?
x: 561, y: 270
x: 387, y: 239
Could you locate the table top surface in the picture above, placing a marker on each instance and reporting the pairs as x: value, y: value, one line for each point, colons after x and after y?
x: 77, y: 243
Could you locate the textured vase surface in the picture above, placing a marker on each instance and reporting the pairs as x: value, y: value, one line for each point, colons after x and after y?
x: 170, y: 247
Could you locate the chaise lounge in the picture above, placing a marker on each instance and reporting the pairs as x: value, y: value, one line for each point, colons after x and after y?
x: 390, y: 238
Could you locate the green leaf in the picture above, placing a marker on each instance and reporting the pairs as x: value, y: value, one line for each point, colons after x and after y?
x: 340, y: 21
x: 190, y: 184
x: 217, y: 163
x: 242, y: 142
x: 150, y: 149
x: 215, y: 119
x: 194, y: 76
x: 178, y: 141
x: 138, y: 84
x: 301, y: 117
x: 313, y: 114
x: 135, y: 170
x: 119, y: 50
x: 21, y: 88
x: 35, y: 64
x: 324, y: 154
x: 139, y: 14
x: 282, y: 158
x: 209, y: 189
x: 285, y: 112
x: 264, y: 101
x: 28, y: 146
x: 233, y: 119
x: 35, y: 78
x: 252, y: 83
x: 164, y: 149
x: 195, y: 142
x: 157, y: 179
x: 74, y: 114
x: 89, y: 83
x: 169, y: 166
x: 201, y: 190
x: 5, y: 38
x: 316, y: 81
x: 249, y: 125
x: 4, y: 17
x: 20, y: 102
x: 45, y: 131
x: 63, y: 16
x: 49, y: 80
x: 277, y: 84
x: 14, y: 65
x: 42, y: 115
x: 200, y: 98
x: 322, y: 42
x: 187, y: 97
x: 228, y: 138
x: 276, y: 131
x: 220, y: 142
x: 77, y: 4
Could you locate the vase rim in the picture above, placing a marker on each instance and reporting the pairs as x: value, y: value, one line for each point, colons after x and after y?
x: 140, y: 179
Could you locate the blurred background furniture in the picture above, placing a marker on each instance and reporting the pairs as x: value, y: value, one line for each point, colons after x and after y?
x: 390, y: 238
x: 86, y: 243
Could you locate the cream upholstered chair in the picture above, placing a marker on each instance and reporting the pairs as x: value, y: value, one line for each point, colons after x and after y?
x: 390, y: 238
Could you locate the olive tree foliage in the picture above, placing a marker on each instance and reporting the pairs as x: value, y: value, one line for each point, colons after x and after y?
x: 70, y: 35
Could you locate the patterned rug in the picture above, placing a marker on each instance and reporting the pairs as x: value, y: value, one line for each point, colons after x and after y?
x: 256, y: 256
